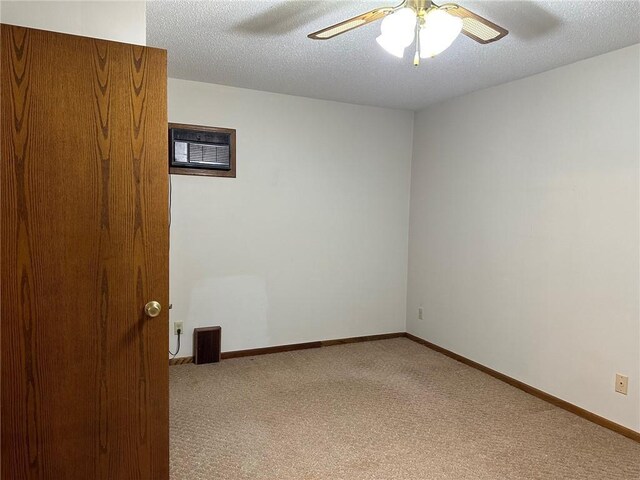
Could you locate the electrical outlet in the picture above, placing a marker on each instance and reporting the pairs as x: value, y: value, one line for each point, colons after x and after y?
x: 177, y: 326
x: 622, y: 383
x: 420, y: 317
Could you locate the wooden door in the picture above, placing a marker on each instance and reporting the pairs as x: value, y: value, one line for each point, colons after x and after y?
x: 84, y: 231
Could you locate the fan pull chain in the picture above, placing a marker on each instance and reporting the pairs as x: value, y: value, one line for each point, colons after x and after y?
x: 416, y: 57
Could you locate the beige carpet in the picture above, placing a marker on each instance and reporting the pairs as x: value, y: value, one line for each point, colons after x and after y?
x: 382, y: 410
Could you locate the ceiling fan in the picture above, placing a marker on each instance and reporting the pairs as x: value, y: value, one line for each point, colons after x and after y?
x: 433, y: 27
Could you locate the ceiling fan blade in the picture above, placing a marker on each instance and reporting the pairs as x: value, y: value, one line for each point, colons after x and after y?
x: 474, y: 26
x: 355, y: 22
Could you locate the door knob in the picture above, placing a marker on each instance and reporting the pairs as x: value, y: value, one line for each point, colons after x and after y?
x: 152, y: 309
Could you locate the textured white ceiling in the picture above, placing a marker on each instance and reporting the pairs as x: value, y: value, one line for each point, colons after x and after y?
x: 263, y: 45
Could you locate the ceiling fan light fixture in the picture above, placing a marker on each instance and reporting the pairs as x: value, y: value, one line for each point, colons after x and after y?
x: 438, y: 32
x: 397, y: 31
x: 433, y: 28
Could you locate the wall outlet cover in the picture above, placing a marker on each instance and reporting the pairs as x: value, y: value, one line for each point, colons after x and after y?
x: 622, y: 383
x: 420, y: 314
x: 178, y: 326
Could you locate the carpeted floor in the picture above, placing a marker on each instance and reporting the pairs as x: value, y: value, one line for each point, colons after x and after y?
x: 382, y: 410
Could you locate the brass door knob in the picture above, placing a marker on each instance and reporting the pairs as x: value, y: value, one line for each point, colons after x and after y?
x: 152, y: 309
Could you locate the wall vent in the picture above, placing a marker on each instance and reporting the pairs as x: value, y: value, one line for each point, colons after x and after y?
x: 206, y: 345
x: 197, y: 150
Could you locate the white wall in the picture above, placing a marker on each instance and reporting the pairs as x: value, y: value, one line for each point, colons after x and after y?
x: 524, y: 230
x: 309, y: 242
x: 122, y: 21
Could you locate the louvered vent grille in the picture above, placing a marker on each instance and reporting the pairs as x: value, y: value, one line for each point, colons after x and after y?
x: 201, y: 149
x: 209, y: 154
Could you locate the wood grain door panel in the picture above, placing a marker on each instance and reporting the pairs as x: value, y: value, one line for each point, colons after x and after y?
x: 84, y: 229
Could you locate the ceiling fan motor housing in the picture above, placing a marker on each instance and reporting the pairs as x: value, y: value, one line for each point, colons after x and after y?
x: 419, y: 5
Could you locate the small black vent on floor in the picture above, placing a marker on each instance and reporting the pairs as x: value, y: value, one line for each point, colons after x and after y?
x: 206, y: 345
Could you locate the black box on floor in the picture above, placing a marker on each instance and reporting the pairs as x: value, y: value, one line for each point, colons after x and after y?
x: 206, y: 345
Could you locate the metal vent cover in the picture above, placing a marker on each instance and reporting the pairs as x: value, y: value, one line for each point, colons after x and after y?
x: 208, y: 154
x: 200, y: 149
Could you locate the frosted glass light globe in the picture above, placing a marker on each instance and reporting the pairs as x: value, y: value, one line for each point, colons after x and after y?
x: 398, y: 31
x: 438, y: 32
